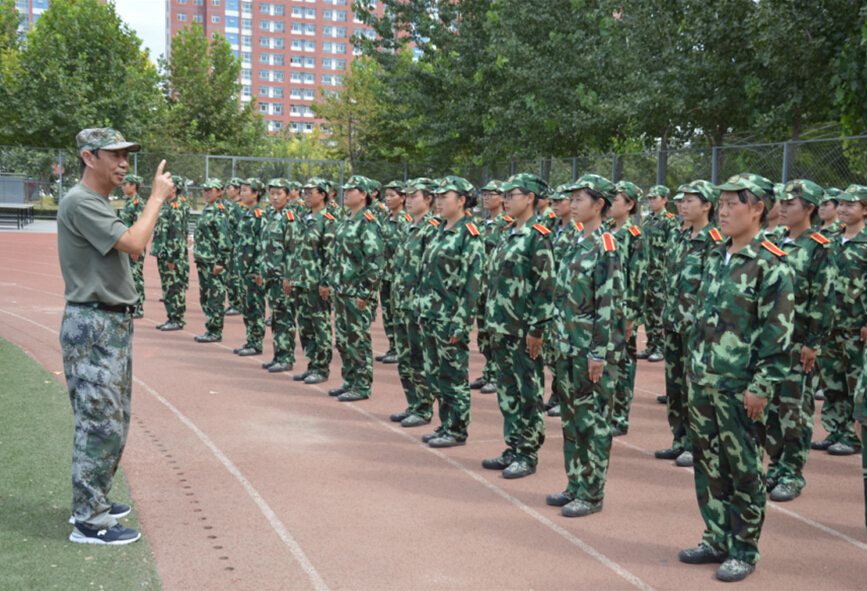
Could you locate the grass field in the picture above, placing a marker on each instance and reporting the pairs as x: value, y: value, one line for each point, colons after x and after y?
x: 36, y: 429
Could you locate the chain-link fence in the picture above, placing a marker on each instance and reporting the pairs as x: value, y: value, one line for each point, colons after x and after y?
x: 41, y: 176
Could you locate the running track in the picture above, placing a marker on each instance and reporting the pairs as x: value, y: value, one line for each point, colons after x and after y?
x: 248, y: 480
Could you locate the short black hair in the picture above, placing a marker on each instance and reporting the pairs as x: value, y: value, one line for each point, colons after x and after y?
x: 471, y: 199
x: 95, y: 153
x: 747, y: 196
x: 596, y: 196
x: 814, y: 215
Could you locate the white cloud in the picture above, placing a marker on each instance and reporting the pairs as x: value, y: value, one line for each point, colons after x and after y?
x: 148, y: 19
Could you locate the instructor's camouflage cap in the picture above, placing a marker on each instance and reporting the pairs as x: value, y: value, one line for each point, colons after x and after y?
x: 133, y: 178
x: 361, y: 183
x: 235, y: 182
x: 703, y: 188
x: 294, y: 185
x: 421, y: 184
x: 594, y: 182
x: 559, y: 193
x: 317, y: 183
x: 658, y: 190
x: 178, y: 181
x: 757, y: 185
x: 398, y: 186
x: 528, y: 182
x: 807, y: 190
x: 854, y: 193
x: 103, y: 138
x: 213, y: 184
x: 255, y: 184
x: 457, y: 184
x: 631, y: 189
x: 831, y: 193
x: 495, y: 186
x: 280, y: 183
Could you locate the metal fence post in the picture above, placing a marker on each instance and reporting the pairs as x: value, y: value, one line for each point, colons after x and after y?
x: 786, y: 158
x: 574, y: 169
x: 342, y: 163
x: 405, y: 172
x: 614, y: 168
x: 714, y: 166
x: 659, y: 176
x: 59, y: 175
x: 207, y: 167
x: 233, y: 166
x: 289, y: 172
x: 135, y: 163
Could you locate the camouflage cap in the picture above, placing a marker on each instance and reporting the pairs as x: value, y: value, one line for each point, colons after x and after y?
x: 630, y: 189
x: 235, y: 182
x: 421, y: 184
x: 853, y: 193
x: 495, y: 186
x: 255, y: 184
x: 657, y: 191
x: 103, y: 138
x: 559, y: 193
x: 359, y: 182
x: 213, y: 184
x: 755, y: 184
x: 178, y: 181
x: 831, y: 193
x: 807, y: 190
x: 317, y: 183
x: 280, y: 183
x: 133, y: 178
x: 398, y: 186
x: 594, y: 182
x: 700, y: 187
x: 294, y: 185
x: 528, y: 182
x: 677, y: 196
x: 778, y: 191
x: 457, y: 184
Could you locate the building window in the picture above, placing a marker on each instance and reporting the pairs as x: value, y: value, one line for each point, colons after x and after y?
x: 297, y: 28
x: 182, y: 16
x: 309, y: 13
x: 215, y: 2
x: 246, y: 57
x: 309, y: 29
x: 246, y: 75
x: 329, y: 47
x: 264, y: 42
x: 198, y: 2
x: 182, y: 1
x: 334, y: 32
x: 278, y: 76
x: 197, y: 18
x: 246, y: 91
x: 277, y: 60
x: 295, y: 60
x: 332, y: 80
x: 298, y: 11
x: 264, y: 74
x: 215, y: 18
x: 246, y: 41
x: 246, y: 7
x: 247, y: 24
x: 369, y: 33
x: 264, y: 58
x: 278, y: 109
x: 263, y: 108
x: 265, y: 8
x: 275, y: 125
x: 279, y: 10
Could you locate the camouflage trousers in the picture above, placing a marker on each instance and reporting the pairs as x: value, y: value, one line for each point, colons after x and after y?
x: 174, y: 292
x: 184, y: 270
x: 253, y: 309
x: 352, y: 340
x: 212, y: 294
x: 234, y: 287
x: 282, y: 321
x: 551, y: 358
x: 137, y: 268
x: 388, y: 319
x: 788, y: 432
x: 654, y: 303
x: 446, y: 367
x: 624, y: 385
x: 97, y: 361
x: 410, y: 365
x: 676, y: 390
x: 520, y: 396
x: 585, y: 412
x: 840, y: 366
x: 314, y: 329
x: 729, y: 479
x: 483, y: 340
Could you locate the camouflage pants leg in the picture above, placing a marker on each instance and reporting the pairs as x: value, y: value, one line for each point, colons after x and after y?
x: 729, y: 479
x: 783, y: 437
x: 387, y: 312
x: 184, y: 268
x: 446, y: 367
x: 551, y: 358
x: 212, y: 294
x: 483, y: 340
x: 410, y: 365
x: 842, y: 364
x: 314, y: 329
x: 175, y: 295
x: 653, y: 314
x: 624, y: 385
x: 97, y: 361
x: 520, y: 396
x: 282, y: 321
x: 352, y: 326
x: 253, y: 308
x: 234, y: 287
x: 585, y: 412
x: 137, y: 268
x: 677, y: 404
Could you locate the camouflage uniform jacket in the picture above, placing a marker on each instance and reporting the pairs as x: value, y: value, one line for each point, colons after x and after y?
x: 814, y: 272
x: 132, y: 210
x: 184, y: 206
x: 630, y: 243
x: 248, y: 242
x: 742, y: 335
x: 777, y: 233
x: 832, y: 231
x: 491, y: 232
x: 234, y: 211
x: 449, y: 287
x: 299, y: 208
x: 170, y: 233
x: 851, y: 287
x: 393, y: 231
x: 657, y: 229
x: 379, y: 209
x: 277, y: 254
x: 213, y: 244
x: 356, y: 259
x: 588, y: 308
x: 315, y: 241
x: 685, y: 271
x: 563, y: 239
x: 335, y: 209
x: 521, y: 282
x: 547, y: 218
x: 408, y: 258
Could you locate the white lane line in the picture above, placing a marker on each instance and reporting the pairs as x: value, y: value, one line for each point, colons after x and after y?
x: 815, y: 524
x: 17, y: 286
x: 294, y: 548
x: 30, y: 272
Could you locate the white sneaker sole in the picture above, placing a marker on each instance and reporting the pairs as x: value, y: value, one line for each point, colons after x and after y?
x: 78, y: 538
x: 118, y: 516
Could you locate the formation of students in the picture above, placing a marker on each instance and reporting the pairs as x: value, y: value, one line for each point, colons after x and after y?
x: 753, y: 294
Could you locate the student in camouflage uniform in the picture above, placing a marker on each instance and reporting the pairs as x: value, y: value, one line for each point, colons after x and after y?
x: 169, y: 246
x: 492, y: 202
x: 544, y: 214
x: 234, y: 211
x: 315, y: 241
x: 657, y: 228
x: 184, y: 207
x: 687, y: 255
x: 352, y: 282
x: 275, y: 263
x: 830, y: 226
x: 774, y: 231
x: 843, y: 356
x: 789, y: 428
x: 213, y: 249
x: 129, y: 215
x: 407, y: 332
x: 446, y: 299
x: 519, y: 307
x: 296, y: 203
x: 589, y: 318
x: 393, y: 227
x: 630, y: 242
x: 246, y: 254
x: 740, y: 346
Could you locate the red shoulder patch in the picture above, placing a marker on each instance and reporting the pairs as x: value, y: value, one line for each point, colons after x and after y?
x: 381, y: 205
x: 184, y: 199
x: 407, y: 217
x: 819, y: 238
x: 290, y: 216
x: 508, y: 218
x: 175, y: 204
x: 257, y: 212
x: 434, y: 222
x: 634, y: 230
x: 541, y: 229
x: 301, y: 203
x: 472, y: 229
x: 608, y: 242
x: 669, y: 214
x: 329, y: 216
x: 714, y: 233
x: 221, y: 206
x: 135, y: 202
x: 552, y: 215
x: 578, y: 226
x: 771, y: 247
x: 369, y: 216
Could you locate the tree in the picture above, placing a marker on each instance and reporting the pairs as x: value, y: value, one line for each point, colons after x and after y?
x: 849, y: 80
x: 203, y: 95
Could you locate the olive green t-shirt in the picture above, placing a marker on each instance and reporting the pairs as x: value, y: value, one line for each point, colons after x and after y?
x: 87, y: 230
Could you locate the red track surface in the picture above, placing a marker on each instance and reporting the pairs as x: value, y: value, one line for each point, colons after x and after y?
x: 248, y: 480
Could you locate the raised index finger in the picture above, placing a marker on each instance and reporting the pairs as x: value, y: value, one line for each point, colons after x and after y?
x: 160, y: 168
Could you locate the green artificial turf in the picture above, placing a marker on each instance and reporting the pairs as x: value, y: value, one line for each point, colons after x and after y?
x: 36, y: 427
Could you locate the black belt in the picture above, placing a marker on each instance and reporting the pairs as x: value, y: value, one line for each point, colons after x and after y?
x: 120, y: 309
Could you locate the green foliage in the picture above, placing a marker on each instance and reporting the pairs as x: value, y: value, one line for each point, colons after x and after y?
x: 849, y: 82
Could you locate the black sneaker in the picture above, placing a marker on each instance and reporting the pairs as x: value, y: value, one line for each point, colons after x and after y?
x: 554, y: 411
x: 390, y: 358
x: 581, y: 508
x: 300, y: 377
x: 477, y: 384
x: 783, y: 493
x: 248, y: 351
x: 280, y: 367
x: 519, y: 469
x: 239, y: 349
x: 734, y: 570
x: 655, y: 357
x: 351, y: 396
x: 671, y: 453
x: 500, y: 463
x: 398, y: 417
x: 337, y: 391
x: 379, y: 357
x: 843, y: 449
x: 208, y: 338
x: 232, y: 312
x: 644, y: 354
x: 684, y: 460
x: 170, y: 326
x: 821, y: 445
x: 560, y: 499
x: 430, y: 436
x: 489, y: 388
x: 315, y: 378
x: 117, y: 535
x: 118, y: 511
x: 701, y: 554
x: 662, y: 399
x: 414, y: 421
x: 268, y: 364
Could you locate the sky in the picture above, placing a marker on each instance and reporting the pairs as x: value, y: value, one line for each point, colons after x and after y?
x: 148, y: 19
